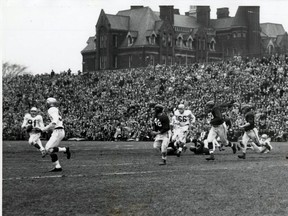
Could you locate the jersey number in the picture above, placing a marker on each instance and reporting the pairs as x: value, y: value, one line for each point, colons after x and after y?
x: 33, y: 123
x: 157, y: 122
x: 182, y: 118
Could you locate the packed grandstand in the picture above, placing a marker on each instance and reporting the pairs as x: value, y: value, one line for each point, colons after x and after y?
x: 95, y: 104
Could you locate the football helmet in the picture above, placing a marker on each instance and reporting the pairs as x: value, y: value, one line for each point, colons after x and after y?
x: 51, y: 101
x: 181, y: 108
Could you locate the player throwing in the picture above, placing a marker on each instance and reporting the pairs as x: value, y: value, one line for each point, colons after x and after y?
x: 161, y: 127
x: 181, y: 122
x: 32, y: 123
x: 58, y: 133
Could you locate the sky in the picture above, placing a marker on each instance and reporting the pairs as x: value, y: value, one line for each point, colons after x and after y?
x: 46, y: 35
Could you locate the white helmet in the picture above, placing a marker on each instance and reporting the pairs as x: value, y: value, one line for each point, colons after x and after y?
x: 34, y: 109
x: 51, y: 101
x: 181, y: 106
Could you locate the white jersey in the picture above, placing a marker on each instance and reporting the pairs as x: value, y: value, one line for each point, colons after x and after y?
x: 36, y: 122
x: 55, y: 117
x: 185, y: 118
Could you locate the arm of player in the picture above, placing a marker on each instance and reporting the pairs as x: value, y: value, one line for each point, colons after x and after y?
x: 245, y: 125
x: 50, y: 126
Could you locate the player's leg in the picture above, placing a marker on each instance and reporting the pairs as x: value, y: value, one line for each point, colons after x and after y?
x: 52, y: 147
x: 245, y: 140
x: 33, y: 140
x: 222, y: 132
x: 164, y: 146
x: 211, y: 136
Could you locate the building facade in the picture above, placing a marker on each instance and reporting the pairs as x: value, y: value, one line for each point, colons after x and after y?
x: 139, y: 37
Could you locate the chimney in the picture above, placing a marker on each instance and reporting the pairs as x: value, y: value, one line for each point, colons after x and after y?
x: 203, y: 15
x: 176, y: 11
x: 192, y: 11
x: 222, y: 13
x: 167, y: 13
x: 136, y: 7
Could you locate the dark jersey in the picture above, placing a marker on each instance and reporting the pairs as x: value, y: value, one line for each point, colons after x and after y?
x: 250, y: 118
x: 217, y: 118
x: 161, y: 123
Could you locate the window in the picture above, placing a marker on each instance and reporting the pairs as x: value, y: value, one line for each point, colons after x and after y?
x: 102, y: 62
x: 179, y: 41
x: 243, y: 34
x: 239, y: 34
x: 190, y: 43
x: 170, y: 40
x: 130, y: 61
x: 130, y: 40
x: 153, y: 39
x: 102, y: 41
x: 164, y: 60
x: 234, y: 35
x: 164, y: 42
x: 115, y: 61
x: 115, y: 40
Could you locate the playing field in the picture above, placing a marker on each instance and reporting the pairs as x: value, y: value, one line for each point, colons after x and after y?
x: 124, y: 178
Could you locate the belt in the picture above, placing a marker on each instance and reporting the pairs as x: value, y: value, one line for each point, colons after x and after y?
x: 58, y: 128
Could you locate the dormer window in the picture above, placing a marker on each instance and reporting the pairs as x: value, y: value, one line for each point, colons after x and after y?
x: 130, y: 40
x: 131, y: 36
x: 212, y: 44
x: 190, y: 42
x: 179, y: 41
x: 170, y: 40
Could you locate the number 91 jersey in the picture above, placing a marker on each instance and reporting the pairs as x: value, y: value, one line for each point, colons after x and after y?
x: 184, y: 118
x: 36, y: 122
x: 55, y: 117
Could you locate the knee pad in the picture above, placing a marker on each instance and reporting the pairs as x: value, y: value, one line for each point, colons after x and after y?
x: 54, y: 157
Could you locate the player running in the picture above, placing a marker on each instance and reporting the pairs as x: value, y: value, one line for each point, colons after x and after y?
x: 251, y: 132
x: 57, y: 135
x: 218, y: 129
x: 161, y: 127
x: 181, y: 122
x: 32, y: 123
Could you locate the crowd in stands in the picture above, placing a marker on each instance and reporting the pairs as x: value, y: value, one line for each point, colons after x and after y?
x: 97, y: 104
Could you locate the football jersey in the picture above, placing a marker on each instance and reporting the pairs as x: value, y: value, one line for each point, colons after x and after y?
x: 161, y: 123
x: 55, y: 117
x: 36, y: 122
x: 184, y: 118
x: 250, y: 117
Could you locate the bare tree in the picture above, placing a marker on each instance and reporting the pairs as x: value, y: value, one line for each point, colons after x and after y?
x: 11, y: 70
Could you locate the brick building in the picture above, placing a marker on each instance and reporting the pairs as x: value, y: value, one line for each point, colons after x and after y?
x: 139, y: 36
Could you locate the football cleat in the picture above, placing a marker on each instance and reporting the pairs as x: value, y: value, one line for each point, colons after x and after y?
x: 56, y: 170
x: 211, y: 157
x: 163, y: 162
x: 68, y: 153
x: 243, y: 156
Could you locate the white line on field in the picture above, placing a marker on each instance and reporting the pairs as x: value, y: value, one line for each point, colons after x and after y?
x: 81, y: 175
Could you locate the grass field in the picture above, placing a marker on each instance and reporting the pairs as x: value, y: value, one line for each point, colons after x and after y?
x: 123, y: 178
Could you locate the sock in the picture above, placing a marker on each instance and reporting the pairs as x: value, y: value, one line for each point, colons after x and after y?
x: 57, y: 164
x: 62, y: 149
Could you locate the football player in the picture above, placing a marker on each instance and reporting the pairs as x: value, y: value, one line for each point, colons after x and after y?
x: 58, y: 133
x: 250, y: 131
x: 182, y: 122
x: 161, y: 127
x: 218, y: 129
x: 32, y: 123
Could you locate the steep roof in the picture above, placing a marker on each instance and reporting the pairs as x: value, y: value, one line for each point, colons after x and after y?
x: 118, y: 22
x: 272, y: 29
x: 90, y: 47
x: 183, y: 21
x: 282, y: 39
x: 141, y: 20
x: 221, y: 24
